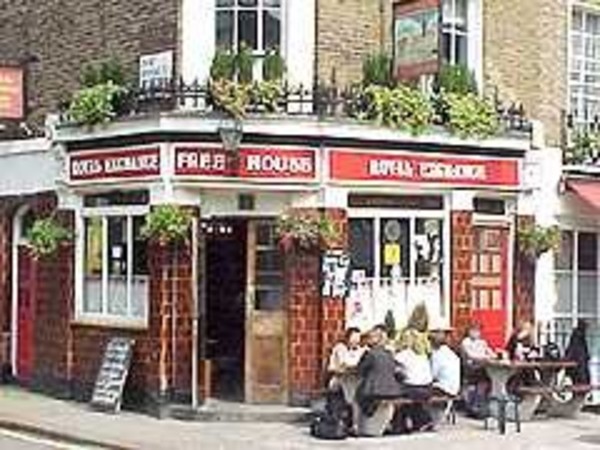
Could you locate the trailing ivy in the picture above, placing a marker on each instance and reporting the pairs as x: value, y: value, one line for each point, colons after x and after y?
x: 45, y: 236
x: 402, y: 107
x: 96, y: 104
x: 470, y: 116
x: 305, y: 230
x: 167, y: 224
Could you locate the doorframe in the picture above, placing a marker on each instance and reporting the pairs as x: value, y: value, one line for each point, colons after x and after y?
x: 17, y: 240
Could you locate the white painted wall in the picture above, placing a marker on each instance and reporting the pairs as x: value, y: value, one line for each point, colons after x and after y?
x: 298, y: 39
x: 475, y: 40
x: 26, y: 167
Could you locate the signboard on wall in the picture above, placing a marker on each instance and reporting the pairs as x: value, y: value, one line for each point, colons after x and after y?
x: 249, y: 162
x: 12, y: 104
x: 156, y: 69
x: 416, y: 38
x: 405, y: 168
x: 335, y: 267
x: 115, y: 164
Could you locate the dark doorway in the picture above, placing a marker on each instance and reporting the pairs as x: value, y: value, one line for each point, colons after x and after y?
x: 225, y: 306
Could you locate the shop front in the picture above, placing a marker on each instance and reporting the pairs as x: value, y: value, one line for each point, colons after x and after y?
x: 231, y: 313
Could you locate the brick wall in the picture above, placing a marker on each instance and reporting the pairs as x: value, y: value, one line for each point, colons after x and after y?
x: 524, y: 281
x: 461, y: 256
x: 65, y: 35
x: 525, y: 56
x: 348, y: 31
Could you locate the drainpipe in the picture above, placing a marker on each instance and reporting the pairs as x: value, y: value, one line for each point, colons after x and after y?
x: 195, y: 309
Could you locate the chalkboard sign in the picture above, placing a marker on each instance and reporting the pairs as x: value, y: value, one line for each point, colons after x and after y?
x: 110, y: 382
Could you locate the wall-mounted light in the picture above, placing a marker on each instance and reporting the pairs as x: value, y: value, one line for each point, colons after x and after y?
x: 231, y: 133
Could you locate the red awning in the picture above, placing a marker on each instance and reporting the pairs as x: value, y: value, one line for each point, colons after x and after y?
x: 587, y: 190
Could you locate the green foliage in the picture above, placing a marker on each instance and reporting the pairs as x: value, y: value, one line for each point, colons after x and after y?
x: 45, y: 236
x: 244, y: 64
x: 377, y: 70
x: 585, y: 149
x: 534, y: 240
x: 274, y: 66
x: 305, y: 230
x: 230, y: 97
x: 167, y: 224
x: 456, y: 79
x: 96, y: 104
x: 223, y: 66
x: 103, y: 73
x: 265, y: 95
x: 471, y: 116
x: 401, y: 107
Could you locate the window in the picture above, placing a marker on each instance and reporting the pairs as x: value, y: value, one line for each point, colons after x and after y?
x: 268, y: 266
x: 115, y: 271
x: 455, y: 31
x: 584, y: 76
x: 396, y: 261
x: 577, y: 275
x: 256, y: 23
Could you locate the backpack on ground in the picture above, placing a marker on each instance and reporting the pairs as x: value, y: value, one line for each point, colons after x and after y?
x: 325, y: 426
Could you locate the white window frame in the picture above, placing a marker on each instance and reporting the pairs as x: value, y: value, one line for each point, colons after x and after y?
x: 260, y: 52
x: 377, y: 214
x: 580, y: 114
x: 450, y: 28
x: 104, y: 318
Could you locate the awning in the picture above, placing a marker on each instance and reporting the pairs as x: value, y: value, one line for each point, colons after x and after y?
x: 587, y: 190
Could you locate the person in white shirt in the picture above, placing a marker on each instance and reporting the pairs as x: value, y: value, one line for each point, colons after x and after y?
x: 445, y: 365
x: 414, y: 371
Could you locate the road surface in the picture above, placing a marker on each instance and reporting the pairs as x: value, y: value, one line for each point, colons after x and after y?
x: 12, y: 440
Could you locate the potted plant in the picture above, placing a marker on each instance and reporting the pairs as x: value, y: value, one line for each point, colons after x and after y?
x: 305, y: 230
x: 167, y: 224
x: 535, y: 240
x: 45, y: 236
x: 469, y: 115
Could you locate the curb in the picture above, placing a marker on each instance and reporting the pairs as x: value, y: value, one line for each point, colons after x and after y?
x: 60, y: 436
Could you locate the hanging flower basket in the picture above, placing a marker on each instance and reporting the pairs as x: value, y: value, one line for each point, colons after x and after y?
x: 305, y: 230
x: 535, y: 240
x: 45, y: 236
x: 167, y: 224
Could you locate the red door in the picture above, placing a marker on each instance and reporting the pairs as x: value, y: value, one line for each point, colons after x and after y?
x: 25, y: 315
x: 489, y: 283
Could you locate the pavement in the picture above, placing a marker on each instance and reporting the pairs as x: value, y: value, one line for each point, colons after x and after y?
x: 58, y: 424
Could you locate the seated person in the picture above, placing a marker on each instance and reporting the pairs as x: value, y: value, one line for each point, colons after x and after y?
x: 416, y: 378
x: 377, y: 382
x: 522, y: 344
x: 578, y: 351
x: 445, y: 365
x: 474, y: 351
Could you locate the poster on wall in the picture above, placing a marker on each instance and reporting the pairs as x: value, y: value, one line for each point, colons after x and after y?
x: 416, y: 39
x: 335, y: 268
x: 12, y: 92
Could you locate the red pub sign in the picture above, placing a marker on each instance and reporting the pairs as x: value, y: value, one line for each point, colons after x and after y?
x: 11, y: 93
x: 249, y: 162
x: 126, y: 163
x: 405, y: 168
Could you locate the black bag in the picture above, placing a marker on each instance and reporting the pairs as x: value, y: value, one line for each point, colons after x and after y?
x: 551, y: 352
x: 325, y: 426
x: 337, y: 407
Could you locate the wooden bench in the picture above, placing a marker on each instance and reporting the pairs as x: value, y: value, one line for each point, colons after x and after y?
x: 449, y: 411
x: 549, y: 398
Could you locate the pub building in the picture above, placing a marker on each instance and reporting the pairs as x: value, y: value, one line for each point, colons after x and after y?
x: 229, y: 313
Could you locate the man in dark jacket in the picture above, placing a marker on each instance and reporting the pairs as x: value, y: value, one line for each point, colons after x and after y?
x: 376, y: 371
x: 578, y: 351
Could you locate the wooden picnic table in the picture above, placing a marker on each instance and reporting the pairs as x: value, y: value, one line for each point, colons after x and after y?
x: 545, y: 375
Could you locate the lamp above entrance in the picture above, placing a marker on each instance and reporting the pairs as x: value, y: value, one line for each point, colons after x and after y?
x: 231, y: 132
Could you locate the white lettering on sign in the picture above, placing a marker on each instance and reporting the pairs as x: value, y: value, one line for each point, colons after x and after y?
x: 139, y: 162
x: 391, y: 167
x: 448, y: 171
x: 294, y: 165
x: 203, y: 161
x: 85, y: 167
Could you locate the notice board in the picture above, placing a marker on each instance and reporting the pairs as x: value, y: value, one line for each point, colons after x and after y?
x: 108, y: 390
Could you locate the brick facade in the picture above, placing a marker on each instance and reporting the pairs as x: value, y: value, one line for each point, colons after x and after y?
x: 461, y: 256
x: 65, y: 35
x: 525, y: 57
x: 524, y: 280
x: 347, y: 32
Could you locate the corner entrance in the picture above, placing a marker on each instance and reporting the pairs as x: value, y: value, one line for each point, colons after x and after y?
x: 246, y: 323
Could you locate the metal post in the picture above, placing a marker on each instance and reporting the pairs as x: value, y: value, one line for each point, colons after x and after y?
x: 194, y: 313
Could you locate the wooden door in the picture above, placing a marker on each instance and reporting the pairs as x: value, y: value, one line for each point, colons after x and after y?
x: 25, y: 315
x: 489, y: 284
x: 266, y: 318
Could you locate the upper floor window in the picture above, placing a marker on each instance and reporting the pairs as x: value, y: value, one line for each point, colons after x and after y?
x: 454, y: 32
x: 255, y: 23
x: 584, y: 76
